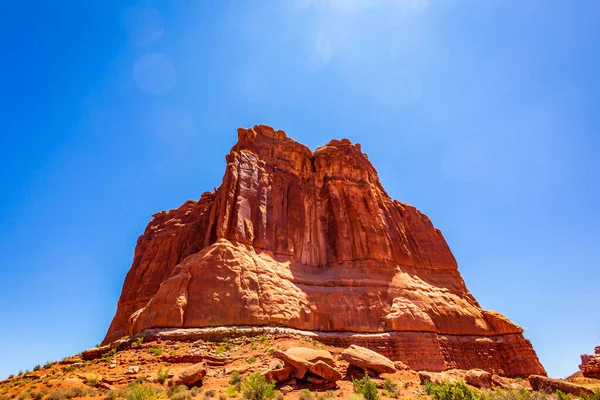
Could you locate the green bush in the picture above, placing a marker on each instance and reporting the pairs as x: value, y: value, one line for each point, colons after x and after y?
x: 141, y: 392
x: 562, y: 395
x: 256, y: 387
x: 449, y: 391
x: 366, y: 387
x: 56, y: 395
x: 222, y: 348
x: 37, y: 367
x: 157, y: 351
x: 177, y: 391
x: 162, y: 375
x: 595, y: 396
x: 235, y: 378
x: 233, y: 391
x: 305, y: 394
x: 391, y: 388
x: 92, y: 381
x: 137, y: 342
x: 251, y: 359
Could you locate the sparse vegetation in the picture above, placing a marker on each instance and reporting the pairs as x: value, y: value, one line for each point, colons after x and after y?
x: 367, y: 388
x: 251, y: 359
x: 255, y: 387
x: 109, y: 355
x: 595, y: 396
x: 390, y: 389
x: 449, y: 391
x: 305, y: 394
x: 137, y: 342
x: 222, y: 348
x: 92, y: 381
x: 162, y: 375
x: 562, y: 395
x: 141, y: 392
x: 233, y: 391
x: 157, y: 351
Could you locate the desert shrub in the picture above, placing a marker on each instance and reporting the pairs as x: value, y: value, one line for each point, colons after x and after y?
x: 92, y: 381
x: 109, y: 354
x: 141, y: 392
x: 595, y: 396
x: 391, y: 388
x: 449, y: 391
x: 251, y: 359
x: 56, y: 395
x: 137, y: 342
x: 222, y: 396
x: 11, y: 376
x: 175, y: 390
x: 235, y: 378
x: 157, y: 351
x: 24, y: 396
x: 222, y: 348
x: 366, y: 387
x: 48, y: 364
x: 256, y: 387
x: 114, y: 394
x: 75, y: 392
x: 162, y: 375
x: 280, y: 396
x: 195, y: 391
x: 305, y: 394
x: 37, y: 367
x: 183, y: 395
x: 38, y: 395
x: 209, y: 394
x: 562, y: 395
x: 233, y: 391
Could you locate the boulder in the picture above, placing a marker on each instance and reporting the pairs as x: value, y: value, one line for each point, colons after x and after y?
x: 366, y: 359
x: 299, y: 367
x: 550, y: 385
x: 191, y: 376
x: 133, y: 369
x: 436, y: 377
x: 279, y: 374
x: 311, y: 355
x: 479, y: 378
x: 505, y: 383
x: 325, y: 371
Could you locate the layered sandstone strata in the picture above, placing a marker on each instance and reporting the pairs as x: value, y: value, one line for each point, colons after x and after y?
x: 590, y: 364
x: 311, y: 240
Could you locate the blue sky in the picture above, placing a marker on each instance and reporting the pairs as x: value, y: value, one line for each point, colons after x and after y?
x: 483, y: 114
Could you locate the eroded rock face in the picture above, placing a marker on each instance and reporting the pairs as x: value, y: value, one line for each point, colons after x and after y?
x: 590, y: 364
x: 311, y: 240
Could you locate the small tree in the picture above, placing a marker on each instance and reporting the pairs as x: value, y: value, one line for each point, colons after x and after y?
x: 256, y: 387
x: 366, y: 387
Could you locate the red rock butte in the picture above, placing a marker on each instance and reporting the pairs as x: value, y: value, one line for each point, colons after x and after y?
x: 310, y: 240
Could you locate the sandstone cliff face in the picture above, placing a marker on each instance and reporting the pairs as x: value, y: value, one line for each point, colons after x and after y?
x: 311, y: 240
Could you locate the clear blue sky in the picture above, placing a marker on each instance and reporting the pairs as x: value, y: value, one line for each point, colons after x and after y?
x: 483, y: 114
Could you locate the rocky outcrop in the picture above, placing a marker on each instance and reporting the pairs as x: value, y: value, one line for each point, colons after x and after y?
x: 590, y: 364
x: 311, y: 240
x: 549, y: 385
x: 192, y: 375
x: 315, y: 366
x: 368, y: 360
